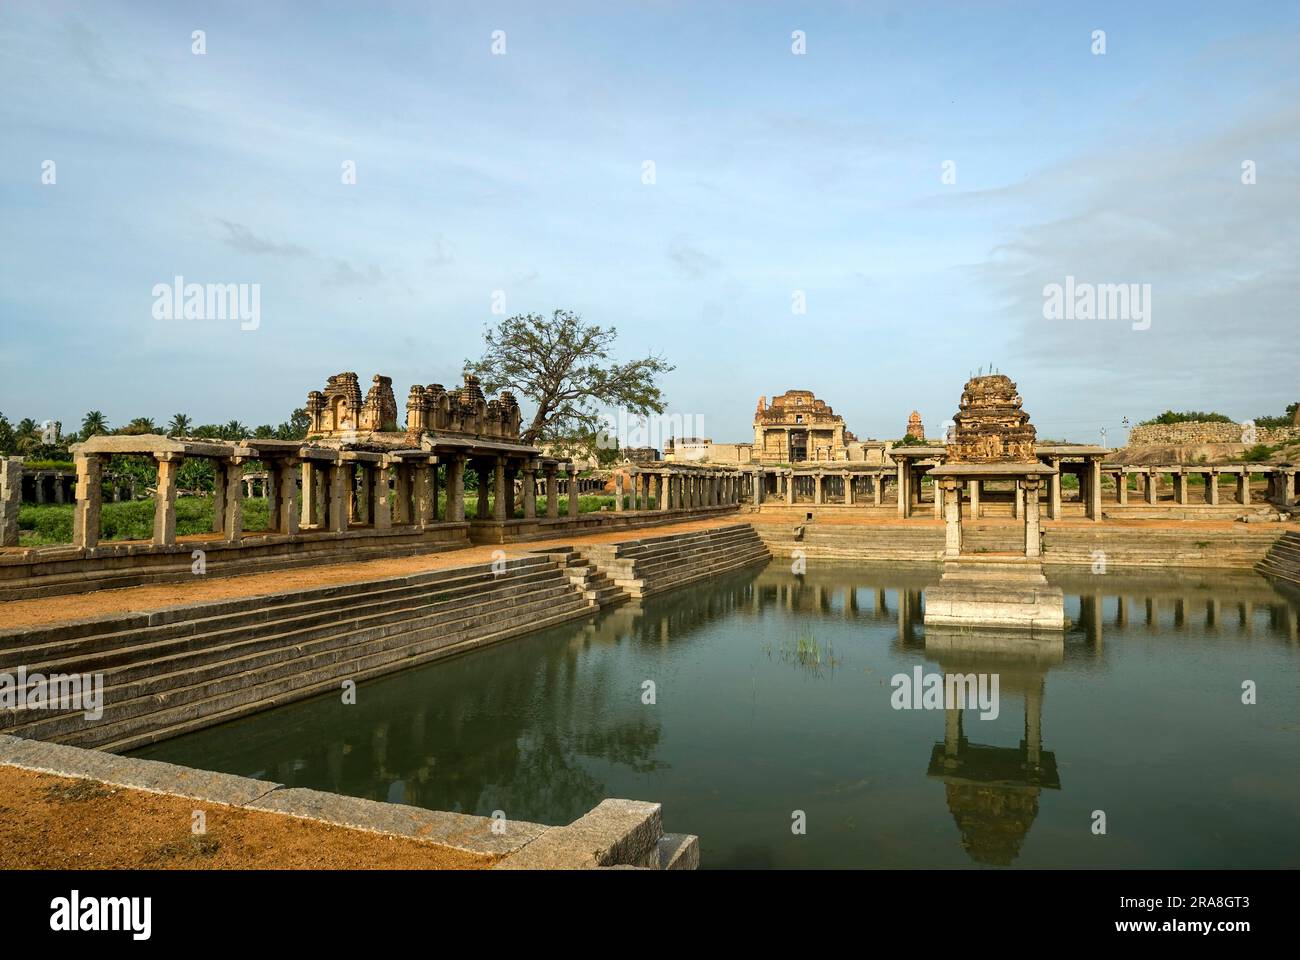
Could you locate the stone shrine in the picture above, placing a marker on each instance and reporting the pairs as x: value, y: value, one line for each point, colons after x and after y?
x: 994, y: 441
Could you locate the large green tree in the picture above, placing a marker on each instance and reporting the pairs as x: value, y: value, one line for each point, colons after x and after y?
x: 562, y: 364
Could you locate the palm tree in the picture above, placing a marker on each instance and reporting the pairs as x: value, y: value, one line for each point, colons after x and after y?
x: 93, y: 423
x: 234, y: 430
x: 180, y: 425
x: 27, y: 435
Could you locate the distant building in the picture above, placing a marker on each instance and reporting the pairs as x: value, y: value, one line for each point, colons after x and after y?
x: 915, y: 428
x: 640, y: 454
x: 798, y: 427
x: 687, y: 448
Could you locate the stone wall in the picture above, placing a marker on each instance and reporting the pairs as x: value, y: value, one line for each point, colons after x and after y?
x: 1174, y: 434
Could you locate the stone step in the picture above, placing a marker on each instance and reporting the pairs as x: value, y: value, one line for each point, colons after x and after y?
x: 657, y: 568
x: 195, y: 617
x: 643, y: 588
x: 116, y: 647
x: 146, y: 674
x: 670, y: 559
x: 185, y: 688
x: 165, y: 684
x: 273, y: 695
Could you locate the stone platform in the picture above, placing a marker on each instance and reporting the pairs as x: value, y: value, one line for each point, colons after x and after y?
x: 992, y: 591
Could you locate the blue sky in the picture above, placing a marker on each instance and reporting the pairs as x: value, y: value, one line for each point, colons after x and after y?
x: 775, y: 173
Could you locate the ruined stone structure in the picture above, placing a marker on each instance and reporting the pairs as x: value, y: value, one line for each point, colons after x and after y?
x: 465, y: 411
x: 990, y: 426
x: 339, y: 410
x: 915, y: 429
x: 798, y: 427
x: 1198, y: 432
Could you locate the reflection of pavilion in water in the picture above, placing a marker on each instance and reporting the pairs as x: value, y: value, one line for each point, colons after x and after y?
x: 992, y: 791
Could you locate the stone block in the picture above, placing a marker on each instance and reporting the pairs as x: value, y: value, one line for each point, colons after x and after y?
x: 679, y: 851
x: 150, y: 775
x: 462, y: 831
x: 614, y: 833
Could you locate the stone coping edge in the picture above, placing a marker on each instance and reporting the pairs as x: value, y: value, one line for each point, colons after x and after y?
x: 616, y: 833
x: 464, y: 832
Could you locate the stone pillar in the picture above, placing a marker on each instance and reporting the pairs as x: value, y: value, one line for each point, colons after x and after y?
x: 164, y: 514
x: 309, y: 481
x: 1121, y: 489
x: 286, y: 518
x: 818, y: 480
x: 85, y: 520
x: 952, y: 519
x: 758, y: 486
x: 1180, y: 486
x: 789, y: 487
x: 499, y: 490
x: 552, y: 490
x: 426, y: 491
x: 1094, y: 488
x: 1033, y: 545
x: 618, y: 492
x: 529, y: 490
x: 976, y: 488
x: 1017, y: 499
x: 456, y: 488
x: 1212, y: 488
x: 219, y: 487
x: 1243, y: 487
x: 57, y: 480
x: 233, y: 524
x: 400, y: 498
x: 573, y: 491
x: 1152, y: 488
x: 1288, y: 488
x: 878, y: 488
x: 336, y: 520
x: 11, y: 499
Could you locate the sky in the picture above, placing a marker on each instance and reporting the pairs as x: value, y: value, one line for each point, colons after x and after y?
x: 914, y: 179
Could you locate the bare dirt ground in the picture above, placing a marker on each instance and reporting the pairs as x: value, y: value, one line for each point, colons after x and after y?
x: 50, y: 610
x: 57, y: 823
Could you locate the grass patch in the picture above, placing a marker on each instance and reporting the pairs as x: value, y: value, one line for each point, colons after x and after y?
x: 51, y: 523
x: 76, y: 792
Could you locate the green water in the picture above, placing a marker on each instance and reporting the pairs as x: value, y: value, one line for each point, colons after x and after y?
x: 772, y: 695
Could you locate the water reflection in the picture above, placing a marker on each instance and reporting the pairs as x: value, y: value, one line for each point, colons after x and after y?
x: 545, y: 727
